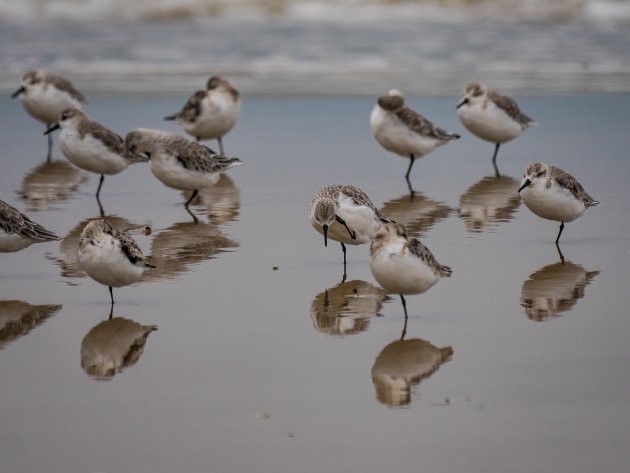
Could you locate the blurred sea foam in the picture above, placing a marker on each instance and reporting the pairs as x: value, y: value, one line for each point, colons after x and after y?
x: 321, y: 47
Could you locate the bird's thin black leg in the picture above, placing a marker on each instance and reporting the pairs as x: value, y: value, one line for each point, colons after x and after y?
x: 50, y: 145
x: 560, y: 253
x: 404, y: 303
x: 111, y: 295
x: 412, y: 159
x: 194, y: 194
x: 343, y: 248
x: 560, y: 232
x: 404, y: 330
x: 494, y: 156
x: 100, y: 184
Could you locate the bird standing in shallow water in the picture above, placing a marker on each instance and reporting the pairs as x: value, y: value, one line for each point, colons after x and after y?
x: 345, y: 214
x: 17, y: 231
x: 178, y: 162
x: 92, y: 147
x: 109, y: 256
x: 554, y: 194
x: 403, y: 131
x: 491, y: 116
x: 210, y: 114
x: 403, y: 265
x: 44, y: 96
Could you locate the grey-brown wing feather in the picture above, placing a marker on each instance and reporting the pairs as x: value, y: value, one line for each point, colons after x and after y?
x: 111, y: 140
x: 510, y: 107
x: 360, y: 198
x: 420, y: 125
x: 567, y: 181
x: 130, y: 247
x: 65, y: 85
x: 196, y: 157
x: 422, y: 252
x: 192, y: 108
x: 13, y: 221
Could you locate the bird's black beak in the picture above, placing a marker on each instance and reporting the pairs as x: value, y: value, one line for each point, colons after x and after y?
x: 463, y: 102
x: 18, y: 92
x: 52, y: 128
x: 525, y: 184
x: 325, y: 227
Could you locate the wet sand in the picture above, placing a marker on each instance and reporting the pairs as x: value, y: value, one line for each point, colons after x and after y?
x: 517, y: 363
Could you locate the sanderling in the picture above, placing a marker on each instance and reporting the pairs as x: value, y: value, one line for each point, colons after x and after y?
x: 403, y: 131
x: 403, y: 265
x: 345, y: 214
x: 110, y: 256
x: 178, y: 162
x: 491, y: 116
x: 553, y: 194
x: 17, y: 231
x: 210, y: 113
x: 44, y: 96
x: 92, y: 147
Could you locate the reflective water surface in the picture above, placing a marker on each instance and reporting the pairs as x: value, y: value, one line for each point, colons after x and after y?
x: 264, y: 361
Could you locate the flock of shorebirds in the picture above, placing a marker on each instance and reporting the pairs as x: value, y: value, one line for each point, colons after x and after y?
x: 400, y: 264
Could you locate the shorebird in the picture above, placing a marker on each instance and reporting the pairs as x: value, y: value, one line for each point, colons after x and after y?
x: 491, y: 116
x: 403, y: 265
x: 17, y: 231
x: 110, y: 256
x: 92, y: 147
x: 178, y: 162
x: 44, y: 96
x: 554, y: 194
x: 345, y: 214
x: 403, y: 131
x: 210, y: 113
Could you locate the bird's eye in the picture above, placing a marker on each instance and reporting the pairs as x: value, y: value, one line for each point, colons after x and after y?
x: 540, y: 174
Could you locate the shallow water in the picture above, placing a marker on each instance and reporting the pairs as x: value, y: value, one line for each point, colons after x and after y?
x: 516, y: 363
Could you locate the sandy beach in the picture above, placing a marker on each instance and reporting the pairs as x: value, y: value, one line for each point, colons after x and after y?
x: 256, y: 369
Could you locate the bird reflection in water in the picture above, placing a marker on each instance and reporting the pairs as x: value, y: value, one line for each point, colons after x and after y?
x: 69, y: 246
x: 50, y: 182
x: 402, y: 365
x: 488, y: 202
x: 175, y: 249
x: 18, y: 318
x: 347, y: 308
x: 112, y: 346
x: 417, y: 212
x: 554, y: 289
x: 222, y: 201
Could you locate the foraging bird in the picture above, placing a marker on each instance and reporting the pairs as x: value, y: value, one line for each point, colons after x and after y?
x: 92, y: 147
x: 17, y: 231
x: 491, y: 116
x: 210, y: 113
x: 178, y: 162
x: 345, y: 214
x: 554, y: 194
x: 403, y: 265
x: 403, y: 131
x: 44, y: 96
x: 110, y: 256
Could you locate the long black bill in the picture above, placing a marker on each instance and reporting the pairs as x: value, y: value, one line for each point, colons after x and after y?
x: 325, y: 227
x: 18, y: 92
x: 52, y: 128
x: 463, y: 102
x: 525, y: 184
x: 343, y: 222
